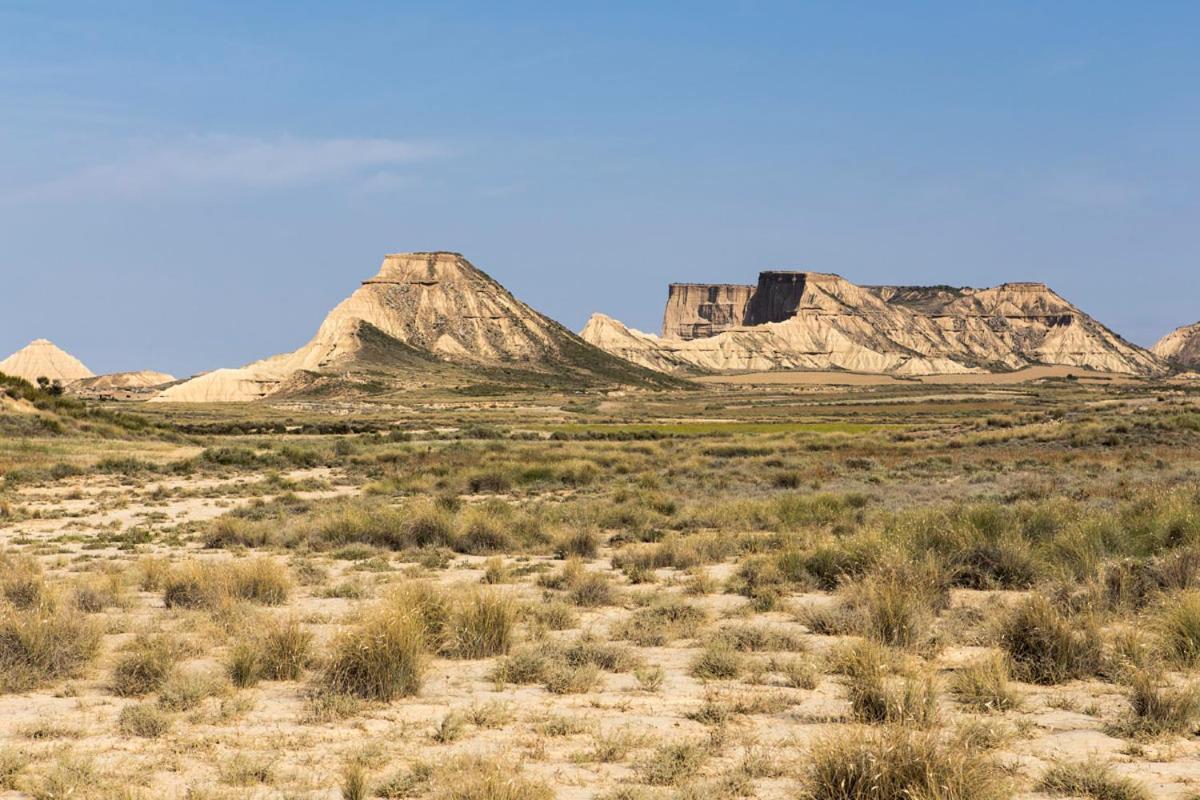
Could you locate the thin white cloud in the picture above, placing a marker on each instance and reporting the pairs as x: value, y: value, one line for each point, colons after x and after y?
x: 203, y: 162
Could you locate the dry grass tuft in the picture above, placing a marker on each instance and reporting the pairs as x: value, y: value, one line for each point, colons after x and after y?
x: 984, y: 685
x: 382, y: 658
x: 40, y: 645
x: 893, y: 763
x: 1092, y: 778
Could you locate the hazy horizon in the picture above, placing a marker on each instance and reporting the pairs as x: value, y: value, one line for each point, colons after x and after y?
x: 191, y: 187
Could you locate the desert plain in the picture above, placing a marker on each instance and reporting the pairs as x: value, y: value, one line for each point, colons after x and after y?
x: 777, y: 590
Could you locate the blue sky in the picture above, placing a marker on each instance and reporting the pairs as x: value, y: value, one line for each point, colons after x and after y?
x: 185, y: 186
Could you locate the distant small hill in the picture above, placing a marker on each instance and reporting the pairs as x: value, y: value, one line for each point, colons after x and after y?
x: 425, y: 319
x: 41, y: 358
x: 1181, y: 347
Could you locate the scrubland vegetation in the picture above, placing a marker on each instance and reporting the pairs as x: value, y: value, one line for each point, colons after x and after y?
x: 797, y: 594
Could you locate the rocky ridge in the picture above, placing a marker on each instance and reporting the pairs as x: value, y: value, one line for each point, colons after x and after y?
x: 819, y: 321
x: 422, y: 317
x: 1180, y: 347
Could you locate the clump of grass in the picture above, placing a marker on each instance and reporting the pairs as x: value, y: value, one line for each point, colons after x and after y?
x: 661, y: 622
x: 798, y: 673
x: 242, y: 770
x: 759, y: 638
x: 495, y: 570
x: 382, y: 658
x: 68, y: 777
x: 479, y: 779
x: 650, y: 679
x: 611, y: 747
x: 895, y: 763
x: 985, y: 685
x: 554, y: 615
x: 211, y: 585
x: 354, y: 782
x: 280, y: 653
x: 897, y: 604
x: 582, y: 541
x: 12, y: 764
x: 1157, y: 710
x: 583, y: 587
x: 524, y: 666
x: 144, y: 665
x: 672, y: 763
x: 185, y: 689
x: 879, y: 698
x: 41, y: 645
x: 244, y: 662
x: 1047, y: 647
x: 1179, y: 625
x: 572, y: 678
x: 480, y: 625
x: 93, y: 595
x: 589, y: 649
x: 718, y: 662
x: 483, y: 529
x: 1091, y: 778
x: 22, y: 583
x: 143, y: 719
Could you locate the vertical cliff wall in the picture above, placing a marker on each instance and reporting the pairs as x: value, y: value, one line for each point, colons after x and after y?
x: 777, y: 296
x: 700, y: 310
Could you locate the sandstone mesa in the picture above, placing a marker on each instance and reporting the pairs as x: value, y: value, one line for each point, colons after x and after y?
x: 819, y: 321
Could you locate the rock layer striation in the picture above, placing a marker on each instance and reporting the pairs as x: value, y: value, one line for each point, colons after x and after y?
x: 423, y: 315
x: 820, y: 321
x: 1180, y: 347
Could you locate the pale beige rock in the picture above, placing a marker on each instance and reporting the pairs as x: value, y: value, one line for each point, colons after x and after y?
x: 817, y: 321
x: 697, y: 310
x: 423, y: 307
x: 1181, y: 346
x: 42, y: 359
x: 141, y: 379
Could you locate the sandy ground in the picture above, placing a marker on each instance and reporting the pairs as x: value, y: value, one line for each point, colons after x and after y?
x: 266, y: 725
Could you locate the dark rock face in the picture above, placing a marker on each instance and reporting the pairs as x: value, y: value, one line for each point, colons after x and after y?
x: 777, y: 297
